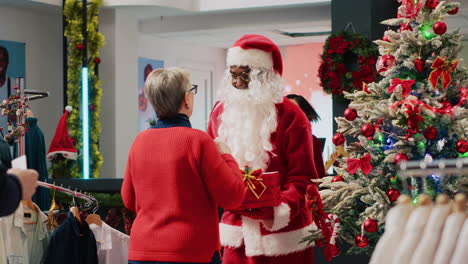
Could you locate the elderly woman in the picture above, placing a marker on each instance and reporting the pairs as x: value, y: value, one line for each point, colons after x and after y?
x: 175, y: 179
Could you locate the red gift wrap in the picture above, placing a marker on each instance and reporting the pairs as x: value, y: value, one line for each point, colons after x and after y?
x: 262, y: 189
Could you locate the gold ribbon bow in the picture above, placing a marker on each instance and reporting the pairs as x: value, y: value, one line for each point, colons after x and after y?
x: 253, y: 180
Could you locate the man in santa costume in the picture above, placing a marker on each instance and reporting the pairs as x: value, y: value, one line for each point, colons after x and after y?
x: 264, y: 131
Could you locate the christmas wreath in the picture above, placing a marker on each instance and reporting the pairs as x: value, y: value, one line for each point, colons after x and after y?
x: 348, y: 61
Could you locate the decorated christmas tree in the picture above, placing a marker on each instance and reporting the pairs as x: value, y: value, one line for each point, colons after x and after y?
x: 417, y: 111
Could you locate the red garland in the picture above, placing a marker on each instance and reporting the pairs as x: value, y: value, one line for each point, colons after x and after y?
x: 334, y: 76
x: 443, y: 110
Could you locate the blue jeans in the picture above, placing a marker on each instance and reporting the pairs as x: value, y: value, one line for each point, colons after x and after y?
x: 215, y: 260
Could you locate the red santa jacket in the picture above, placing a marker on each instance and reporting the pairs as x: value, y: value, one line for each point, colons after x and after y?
x: 292, y: 157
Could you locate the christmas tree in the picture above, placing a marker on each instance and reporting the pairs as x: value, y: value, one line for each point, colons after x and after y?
x: 417, y: 111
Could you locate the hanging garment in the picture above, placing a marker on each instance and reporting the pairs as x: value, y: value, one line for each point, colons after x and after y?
x: 395, y: 223
x: 427, y: 247
x: 72, y: 243
x: 112, y: 245
x: 461, y: 253
x: 452, y: 229
x: 36, y: 157
x: 24, y: 238
x: 414, y: 230
x: 5, y: 153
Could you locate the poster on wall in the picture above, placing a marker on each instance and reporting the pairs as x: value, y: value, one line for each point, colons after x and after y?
x: 146, y: 112
x: 12, y: 66
x: 301, y: 64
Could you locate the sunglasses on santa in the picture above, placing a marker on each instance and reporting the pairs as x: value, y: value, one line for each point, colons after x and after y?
x: 194, y: 89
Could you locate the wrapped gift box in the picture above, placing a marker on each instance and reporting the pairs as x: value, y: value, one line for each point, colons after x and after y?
x: 262, y: 189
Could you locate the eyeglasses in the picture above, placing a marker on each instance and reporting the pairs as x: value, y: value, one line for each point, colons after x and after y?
x: 194, y: 89
x: 244, y: 76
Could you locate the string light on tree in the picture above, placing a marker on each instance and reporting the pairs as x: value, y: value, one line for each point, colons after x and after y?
x: 427, y: 31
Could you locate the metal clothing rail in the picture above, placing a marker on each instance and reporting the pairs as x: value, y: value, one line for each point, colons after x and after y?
x: 456, y: 167
x: 91, y: 202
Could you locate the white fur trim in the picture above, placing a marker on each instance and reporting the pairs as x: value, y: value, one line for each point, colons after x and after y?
x: 230, y: 236
x: 69, y: 108
x: 66, y: 154
x: 282, y: 213
x: 249, y: 57
x: 275, y: 244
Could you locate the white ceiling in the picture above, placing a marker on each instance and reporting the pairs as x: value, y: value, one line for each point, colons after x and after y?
x: 218, y: 23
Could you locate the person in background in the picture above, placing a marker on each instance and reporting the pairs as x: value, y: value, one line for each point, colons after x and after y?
x: 312, y: 115
x: 175, y: 178
x: 265, y: 131
x: 15, y: 185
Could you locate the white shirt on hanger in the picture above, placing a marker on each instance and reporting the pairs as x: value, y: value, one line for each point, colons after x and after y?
x: 461, y: 251
x: 23, y: 243
x: 112, y: 244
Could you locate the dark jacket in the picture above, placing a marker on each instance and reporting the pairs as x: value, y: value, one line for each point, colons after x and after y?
x: 72, y: 244
x: 36, y: 157
x: 10, y: 192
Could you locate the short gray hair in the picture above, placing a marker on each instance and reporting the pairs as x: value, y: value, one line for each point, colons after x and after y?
x: 165, y: 89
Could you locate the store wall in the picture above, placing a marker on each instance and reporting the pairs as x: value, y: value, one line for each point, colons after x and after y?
x: 42, y: 33
x: 464, y: 52
x: 118, y: 72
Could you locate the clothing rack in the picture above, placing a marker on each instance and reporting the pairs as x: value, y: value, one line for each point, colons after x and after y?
x: 91, y: 202
x: 426, y: 168
x: 36, y: 94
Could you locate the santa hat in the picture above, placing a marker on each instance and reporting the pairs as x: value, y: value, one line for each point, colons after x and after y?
x: 62, y: 143
x: 255, y: 51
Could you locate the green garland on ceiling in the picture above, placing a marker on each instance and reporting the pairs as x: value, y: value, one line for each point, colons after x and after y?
x: 61, y: 167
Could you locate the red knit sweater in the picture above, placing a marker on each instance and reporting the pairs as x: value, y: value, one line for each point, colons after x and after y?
x: 174, y: 180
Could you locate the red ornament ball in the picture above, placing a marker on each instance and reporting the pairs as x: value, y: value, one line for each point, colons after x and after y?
x: 419, y: 64
x: 404, y: 27
x: 370, y: 225
x: 399, y: 157
x: 384, y: 63
x: 337, y: 178
x: 385, y: 38
x: 91, y: 107
x: 462, y: 146
x: 393, y: 195
x: 430, y: 133
x: 338, y: 139
x: 97, y: 60
x: 431, y: 4
x: 368, y: 130
x: 80, y: 46
x: 350, y: 114
x: 361, y: 241
x: 439, y: 27
x: 453, y: 11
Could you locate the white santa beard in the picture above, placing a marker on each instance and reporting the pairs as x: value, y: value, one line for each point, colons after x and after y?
x: 249, y: 118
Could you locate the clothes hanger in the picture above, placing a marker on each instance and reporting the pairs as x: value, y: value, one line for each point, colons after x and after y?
x: 51, y: 221
x: 94, y: 219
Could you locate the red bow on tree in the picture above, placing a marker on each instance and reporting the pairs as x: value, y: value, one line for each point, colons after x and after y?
x: 410, y: 9
x: 405, y: 86
x: 414, y: 117
x: 442, y: 69
x: 352, y: 165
